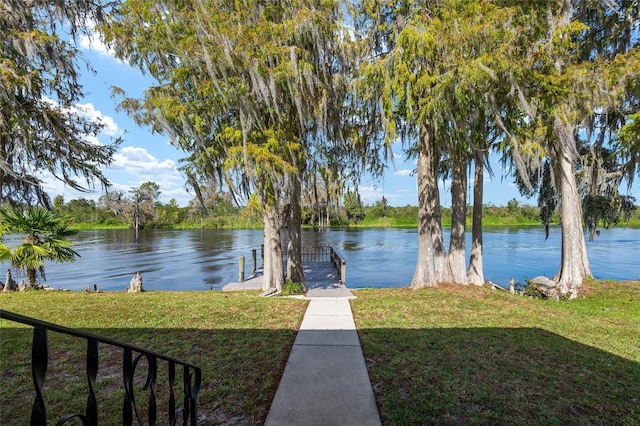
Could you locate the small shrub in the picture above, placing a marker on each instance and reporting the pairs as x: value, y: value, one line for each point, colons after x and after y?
x: 292, y: 288
x: 531, y: 290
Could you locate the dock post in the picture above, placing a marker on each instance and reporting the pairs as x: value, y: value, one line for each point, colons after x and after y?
x: 241, y: 271
x: 253, y: 258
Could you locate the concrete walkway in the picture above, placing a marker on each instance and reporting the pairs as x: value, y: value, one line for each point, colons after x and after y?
x: 325, y: 381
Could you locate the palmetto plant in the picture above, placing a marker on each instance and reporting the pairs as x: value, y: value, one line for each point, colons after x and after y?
x: 44, y: 240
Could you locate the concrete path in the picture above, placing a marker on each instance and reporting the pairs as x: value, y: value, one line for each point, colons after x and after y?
x: 325, y: 381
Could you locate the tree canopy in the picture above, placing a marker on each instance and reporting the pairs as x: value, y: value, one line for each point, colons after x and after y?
x: 256, y: 94
x: 42, y: 128
x: 45, y: 239
x: 529, y: 77
x: 267, y: 97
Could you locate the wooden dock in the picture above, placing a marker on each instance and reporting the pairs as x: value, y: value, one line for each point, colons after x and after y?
x: 254, y: 282
x: 317, y: 275
x: 322, y: 276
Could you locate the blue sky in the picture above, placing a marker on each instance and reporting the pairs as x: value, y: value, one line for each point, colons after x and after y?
x: 144, y: 156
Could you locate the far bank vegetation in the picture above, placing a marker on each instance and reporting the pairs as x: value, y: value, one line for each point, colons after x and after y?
x: 222, y: 213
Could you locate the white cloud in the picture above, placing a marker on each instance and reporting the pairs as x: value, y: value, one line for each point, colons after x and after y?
x: 395, y: 197
x: 88, y: 110
x: 139, y: 162
x: 93, y: 43
x: 131, y: 167
x: 403, y: 172
x: 370, y: 194
x: 181, y: 196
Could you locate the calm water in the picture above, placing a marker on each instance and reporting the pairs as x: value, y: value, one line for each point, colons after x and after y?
x: 201, y: 260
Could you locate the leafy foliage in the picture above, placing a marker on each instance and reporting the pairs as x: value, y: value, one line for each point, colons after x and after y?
x: 138, y: 209
x: 606, y: 211
x: 291, y: 288
x: 353, y: 206
x: 45, y: 236
x: 256, y: 94
x: 42, y: 125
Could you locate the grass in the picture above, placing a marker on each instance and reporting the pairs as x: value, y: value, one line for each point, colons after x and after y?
x: 452, y: 355
x: 466, y: 355
x: 240, y: 341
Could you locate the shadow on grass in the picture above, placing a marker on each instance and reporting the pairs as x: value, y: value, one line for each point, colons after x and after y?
x: 497, y: 376
x: 487, y: 376
x: 240, y: 373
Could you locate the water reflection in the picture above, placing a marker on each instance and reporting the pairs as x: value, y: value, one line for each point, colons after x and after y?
x: 200, y: 260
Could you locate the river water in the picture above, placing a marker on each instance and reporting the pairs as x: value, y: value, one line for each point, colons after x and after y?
x: 376, y: 258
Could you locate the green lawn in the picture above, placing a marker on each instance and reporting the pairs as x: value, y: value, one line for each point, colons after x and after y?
x: 452, y: 355
x: 457, y: 355
x: 240, y: 341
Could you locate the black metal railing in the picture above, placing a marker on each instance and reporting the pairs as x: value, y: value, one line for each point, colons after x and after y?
x: 132, y: 355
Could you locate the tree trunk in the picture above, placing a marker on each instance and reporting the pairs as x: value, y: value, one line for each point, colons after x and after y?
x: 475, y: 273
x: 425, y: 274
x: 32, y: 279
x: 3, y: 160
x: 273, y: 266
x: 443, y: 275
x: 574, y: 264
x: 435, y: 223
x: 295, y: 271
x: 457, y: 254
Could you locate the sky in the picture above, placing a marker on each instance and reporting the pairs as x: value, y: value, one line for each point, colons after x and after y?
x: 144, y: 156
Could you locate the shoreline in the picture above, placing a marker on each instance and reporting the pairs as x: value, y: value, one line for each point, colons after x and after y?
x: 82, y: 227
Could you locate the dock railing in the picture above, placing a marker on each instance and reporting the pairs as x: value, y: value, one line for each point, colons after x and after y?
x: 326, y: 254
x: 132, y: 355
x: 309, y: 254
x: 340, y: 264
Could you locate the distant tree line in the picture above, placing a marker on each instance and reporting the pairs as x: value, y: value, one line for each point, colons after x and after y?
x: 141, y: 207
x: 118, y: 210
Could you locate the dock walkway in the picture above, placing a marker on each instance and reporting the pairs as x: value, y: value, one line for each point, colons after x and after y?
x: 254, y: 282
x: 319, y: 276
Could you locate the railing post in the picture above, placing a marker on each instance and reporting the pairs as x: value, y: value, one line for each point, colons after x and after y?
x: 92, y: 374
x: 339, y: 263
x: 39, y: 362
x: 254, y: 260
x: 127, y: 378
